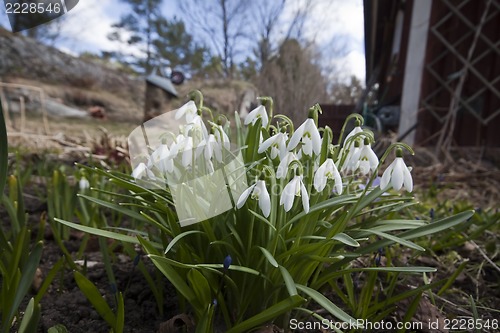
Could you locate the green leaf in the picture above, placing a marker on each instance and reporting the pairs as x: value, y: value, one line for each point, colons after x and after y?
x: 30, y: 318
x: 346, y: 239
x: 48, y: 279
x: 326, y: 304
x: 396, y: 239
x: 165, y: 266
x: 94, y: 296
x: 289, y: 283
x: 115, y: 207
x: 269, y: 256
x: 120, y: 314
x: 201, y: 289
x: 99, y: 232
x: 327, y: 204
x: 270, y: 313
x: 28, y: 273
x: 179, y: 237
x: 425, y: 230
x: 206, y: 322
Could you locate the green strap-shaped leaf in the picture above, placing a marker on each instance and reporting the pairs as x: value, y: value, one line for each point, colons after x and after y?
x: 28, y: 272
x: 326, y: 304
x: 269, y: 256
x: 94, y: 296
x: 272, y: 312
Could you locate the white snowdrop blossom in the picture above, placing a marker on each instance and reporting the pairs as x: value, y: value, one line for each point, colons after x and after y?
x: 258, y: 112
x: 368, y: 160
x: 283, y: 166
x: 258, y: 192
x: 308, y: 134
x: 161, y: 159
x: 355, y: 130
x: 397, y: 174
x: 221, y: 137
x: 141, y: 171
x: 188, y: 152
x: 294, y: 188
x: 277, y: 143
x: 196, y: 129
x: 210, y: 148
x: 325, y: 172
x: 351, y: 162
x: 83, y: 184
x: 188, y: 110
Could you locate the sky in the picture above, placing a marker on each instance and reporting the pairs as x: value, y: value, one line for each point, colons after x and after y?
x: 338, y: 30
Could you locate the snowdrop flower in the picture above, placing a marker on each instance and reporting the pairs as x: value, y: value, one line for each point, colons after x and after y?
x: 162, y: 159
x: 368, y: 160
x: 142, y: 170
x: 327, y: 171
x: 294, y: 188
x: 187, y: 152
x: 196, y: 128
x: 188, y: 110
x: 83, y: 184
x: 221, y: 137
x: 351, y: 162
x: 277, y: 143
x: 283, y: 166
x: 259, y: 192
x: 258, y: 112
x: 355, y: 130
x: 398, y: 174
x: 210, y: 147
x: 309, y: 135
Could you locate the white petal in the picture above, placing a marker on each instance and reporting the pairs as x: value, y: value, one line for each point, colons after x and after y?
x: 316, y: 138
x: 373, y: 159
x: 295, y: 139
x: 397, y: 174
x: 139, y: 171
x: 264, y: 199
x: 266, y: 144
x: 408, y: 181
x: 386, y: 177
x: 83, y: 184
x: 320, y: 177
x: 305, y: 197
x: 364, y: 167
x: 338, y: 181
x: 288, y: 194
x: 244, y: 196
x: 307, y: 146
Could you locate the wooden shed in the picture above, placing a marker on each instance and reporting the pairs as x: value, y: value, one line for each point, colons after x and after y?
x: 439, y: 62
x: 159, y: 94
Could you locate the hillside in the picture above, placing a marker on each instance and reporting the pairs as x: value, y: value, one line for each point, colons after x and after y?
x: 84, y: 84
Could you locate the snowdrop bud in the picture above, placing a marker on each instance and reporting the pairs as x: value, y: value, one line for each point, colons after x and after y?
x: 84, y: 184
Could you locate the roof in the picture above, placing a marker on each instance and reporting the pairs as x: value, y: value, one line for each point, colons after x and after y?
x: 162, y: 83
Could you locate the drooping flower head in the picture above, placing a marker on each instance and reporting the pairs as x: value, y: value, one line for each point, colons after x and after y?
x: 258, y: 112
x: 258, y: 192
x: 295, y: 188
x: 188, y: 110
x: 368, y: 160
x: 328, y: 170
x: 283, y: 166
x: 277, y: 143
x: 397, y: 174
x: 308, y: 134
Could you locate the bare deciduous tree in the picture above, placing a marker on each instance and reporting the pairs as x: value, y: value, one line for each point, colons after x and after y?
x: 293, y: 80
x: 224, y: 24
